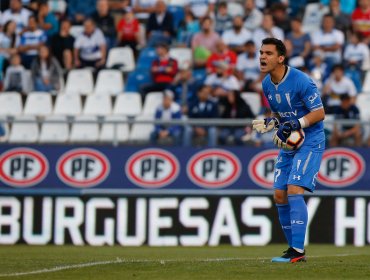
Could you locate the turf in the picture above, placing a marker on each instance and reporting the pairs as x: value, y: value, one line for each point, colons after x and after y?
x: 224, y: 262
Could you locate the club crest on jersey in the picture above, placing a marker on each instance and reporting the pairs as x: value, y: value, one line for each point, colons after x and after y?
x: 278, y: 98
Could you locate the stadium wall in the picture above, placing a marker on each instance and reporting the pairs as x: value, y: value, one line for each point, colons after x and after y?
x: 132, y: 196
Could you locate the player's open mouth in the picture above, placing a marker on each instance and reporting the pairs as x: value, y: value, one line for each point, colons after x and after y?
x: 262, y: 63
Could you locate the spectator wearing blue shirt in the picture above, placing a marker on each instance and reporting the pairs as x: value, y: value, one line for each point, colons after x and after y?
x: 167, y: 111
x: 47, y: 20
x: 80, y: 10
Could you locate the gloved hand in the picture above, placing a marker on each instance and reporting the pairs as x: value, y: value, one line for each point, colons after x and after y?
x: 265, y: 125
x: 284, y: 131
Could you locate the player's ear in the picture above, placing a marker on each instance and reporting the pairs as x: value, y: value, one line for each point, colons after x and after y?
x: 281, y: 59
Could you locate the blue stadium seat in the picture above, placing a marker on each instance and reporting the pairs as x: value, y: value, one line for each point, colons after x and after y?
x: 136, y: 79
x: 199, y: 74
x: 178, y: 14
x: 146, y: 58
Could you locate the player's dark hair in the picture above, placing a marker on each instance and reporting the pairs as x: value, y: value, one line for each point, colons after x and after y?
x: 280, y: 47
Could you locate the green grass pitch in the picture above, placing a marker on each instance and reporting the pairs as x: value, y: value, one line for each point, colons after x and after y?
x: 224, y: 262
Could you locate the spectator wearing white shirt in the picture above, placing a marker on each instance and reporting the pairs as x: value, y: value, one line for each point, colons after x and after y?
x: 7, y: 43
x: 143, y: 8
x: 329, y: 40
x: 201, y: 8
x: 268, y: 29
x: 356, y: 53
x: 252, y: 16
x: 90, y: 47
x: 248, y: 67
x: 236, y: 37
x: 16, y: 13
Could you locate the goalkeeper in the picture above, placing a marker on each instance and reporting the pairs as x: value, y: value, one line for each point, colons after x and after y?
x: 296, y: 104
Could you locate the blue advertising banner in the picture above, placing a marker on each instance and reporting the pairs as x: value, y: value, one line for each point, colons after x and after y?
x: 108, y: 170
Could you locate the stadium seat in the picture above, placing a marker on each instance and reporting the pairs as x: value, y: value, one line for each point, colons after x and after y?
x: 38, y: 104
x: 11, y: 103
x: 57, y: 6
x: 141, y: 132
x: 24, y: 132
x: 151, y: 103
x: 253, y: 99
x: 128, y: 104
x: 98, y: 105
x: 121, y: 57
x: 183, y: 56
x: 85, y: 132
x: 108, y: 133
x: 199, y: 74
x: 54, y: 132
x: 312, y: 17
x: 76, y: 30
x: 109, y: 82
x: 177, y: 2
x: 68, y: 104
x: 80, y: 81
x: 145, y: 59
x: 366, y: 84
x: 178, y: 14
x: 137, y: 78
x: 29, y: 81
x: 328, y: 122
x: 235, y: 9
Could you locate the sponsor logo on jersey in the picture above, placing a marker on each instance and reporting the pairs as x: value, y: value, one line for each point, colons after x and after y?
x: 82, y: 168
x: 152, y: 168
x: 214, y: 168
x: 261, y: 168
x: 341, y: 168
x: 23, y: 167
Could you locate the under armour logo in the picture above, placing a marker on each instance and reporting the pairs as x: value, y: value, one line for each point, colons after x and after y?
x: 286, y: 227
x: 297, y: 222
x: 296, y: 177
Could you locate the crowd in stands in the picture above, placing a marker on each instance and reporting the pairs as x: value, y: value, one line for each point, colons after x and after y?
x: 45, y: 40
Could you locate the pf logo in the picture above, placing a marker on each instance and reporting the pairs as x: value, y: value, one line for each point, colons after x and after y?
x: 261, y: 168
x: 82, y: 168
x: 23, y: 167
x: 340, y: 168
x: 213, y: 168
x: 152, y: 168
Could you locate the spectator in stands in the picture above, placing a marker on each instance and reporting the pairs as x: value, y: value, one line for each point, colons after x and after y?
x: 47, y: 21
x: 297, y: 42
x: 7, y: 44
x: 335, y: 86
x: 201, y: 8
x: 223, y: 19
x: 222, y: 54
x: 79, y: 11
x: 268, y: 29
x: 105, y: 22
x: 252, y: 16
x: 16, y: 13
x: 204, y: 42
x: 236, y: 37
x: 346, y: 134
x: 248, y: 67
x: 280, y: 16
x: 90, y: 47
x: 329, y: 41
x: 143, y: 8
x: 188, y: 27
x: 30, y: 42
x: 203, y: 108
x: 15, y: 76
x: 46, y: 72
x: 62, y: 45
x: 160, y: 26
x: 342, y: 20
x: 163, y: 70
x: 361, y: 19
x: 167, y: 111
x: 128, y: 30
x: 346, y: 6
x: 235, y: 108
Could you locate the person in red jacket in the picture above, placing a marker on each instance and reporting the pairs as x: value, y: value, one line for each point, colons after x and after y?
x: 361, y: 19
x: 222, y: 54
x: 163, y: 70
x: 128, y: 30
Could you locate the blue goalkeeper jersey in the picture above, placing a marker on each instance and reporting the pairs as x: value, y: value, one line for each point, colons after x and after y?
x: 294, y: 97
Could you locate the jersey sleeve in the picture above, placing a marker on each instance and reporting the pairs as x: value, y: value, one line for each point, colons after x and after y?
x: 310, y: 94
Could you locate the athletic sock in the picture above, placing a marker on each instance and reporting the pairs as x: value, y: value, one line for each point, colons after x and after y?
x: 298, y: 218
x: 284, y: 217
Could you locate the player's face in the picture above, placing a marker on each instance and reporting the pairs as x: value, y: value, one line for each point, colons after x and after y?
x: 269, y: 58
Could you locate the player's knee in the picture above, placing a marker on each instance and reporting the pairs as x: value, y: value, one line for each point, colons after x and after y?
x: 280, y: 198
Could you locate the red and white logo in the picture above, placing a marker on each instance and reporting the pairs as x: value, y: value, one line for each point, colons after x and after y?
x: 214, y: 168
x: 23, y: 167
x: 261, y: 168
x: 341, y: 167
x: 82, y: 168
x: 152, y: 168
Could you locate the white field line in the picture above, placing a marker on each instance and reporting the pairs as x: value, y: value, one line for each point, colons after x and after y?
x: 162, y: 262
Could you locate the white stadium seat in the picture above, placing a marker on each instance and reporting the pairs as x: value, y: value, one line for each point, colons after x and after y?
x: 79, y: 81
x: 68, y: 104
x: 253, y: 99
x: 152, y: 101
x: 122, y: 56
x: 85, y: 132
x: 24, y: 132
x: 109, y: 132
x: 54, y: 132
x: 128, y: 104
x: 109, y: 82
x: 98, y: 105
x: 235, y: 9
x: 57, y: 6
x: 38, y: 104
x: 141, y: 132
x: 183, y: 56
x: 11, y: 103
x: 366, y: 85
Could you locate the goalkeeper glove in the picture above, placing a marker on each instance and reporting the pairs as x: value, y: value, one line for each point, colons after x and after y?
x: 265, y: 125
x: 284, y: 131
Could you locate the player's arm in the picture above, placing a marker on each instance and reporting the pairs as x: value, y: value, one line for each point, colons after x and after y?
x: 312, y: 117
